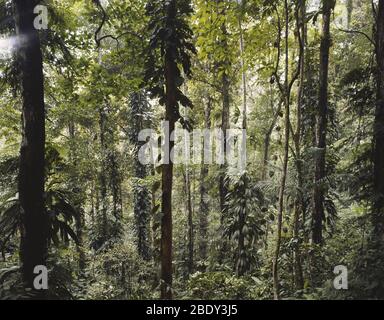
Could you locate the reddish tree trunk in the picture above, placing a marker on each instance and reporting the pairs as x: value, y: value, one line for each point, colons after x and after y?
x: 167, y: 173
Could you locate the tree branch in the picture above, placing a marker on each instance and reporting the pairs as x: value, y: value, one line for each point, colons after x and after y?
x: 357, y: 32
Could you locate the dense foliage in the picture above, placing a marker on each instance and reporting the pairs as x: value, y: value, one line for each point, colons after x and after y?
x: 304, y: 78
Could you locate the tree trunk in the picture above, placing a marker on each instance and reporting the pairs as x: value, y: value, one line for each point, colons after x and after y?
x: 225, y: 96
x: 287, y: 102
x: 242, y: 267
x: 244, y: 74
x: 34, y: 229
x: 187, y: 181
x: 349, y: 13
x: 321, y: 129
x: 299, y: 203
x: 204, y: 203
x: 267, y: 142
x: 167, y: 172
x: 79, y: 233
x: 103, y: 175
x: 115, y: 181
x: 378, y: 207
x: 223, y: 189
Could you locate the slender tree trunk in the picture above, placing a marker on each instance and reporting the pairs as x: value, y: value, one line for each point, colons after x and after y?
x: 242, y: 267
x: 115, y: 181
x: 225, y: 125
x: 378, y: 206
x: 92, y: 211
x: 80, y: 238
x: 267, y: 142
x: 281, y: 203
x: 287, y: 103
x: 244, y: 74
x: 167, y: 173
x: 225, y: 96
x: 187, y: 182
x: 97, y: 202
x: 321, y: 128
x: 103, y: 174
x: 204, y: 202
x: 155, y: 226
x: 349, y: 13
x: 34, y: 229
x: 298, y: 270
x: 156, y: 240
x: 223, y: 189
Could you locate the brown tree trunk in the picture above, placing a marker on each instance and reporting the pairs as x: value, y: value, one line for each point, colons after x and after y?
x: 166, y: 206
x: 378, y: 206
x: 321, y: 128
x: 34, y: 229
x: 167, y: 173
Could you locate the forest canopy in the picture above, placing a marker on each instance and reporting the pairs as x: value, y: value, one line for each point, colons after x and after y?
x: 191, y: 149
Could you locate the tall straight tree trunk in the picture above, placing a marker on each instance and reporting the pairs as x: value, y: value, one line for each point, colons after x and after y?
x: 103, y: 174
x: 223, y: 189
x: 299, y: 203
x: 349, y: 12
x: 225, y: 125
x: 189, y: 203
x: 378, y: 206
x: 204, y: 202
x: 167, y: 172
x: 34, y: 229
x: 78, y: 203
x: 287, y: 87
x: 225, y: 96
x: 115, y: 182
x: 156, y: 241
x: 243, y: 73
x: 242, y: 267
x: 187, y: 181
x: 321, y: 128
